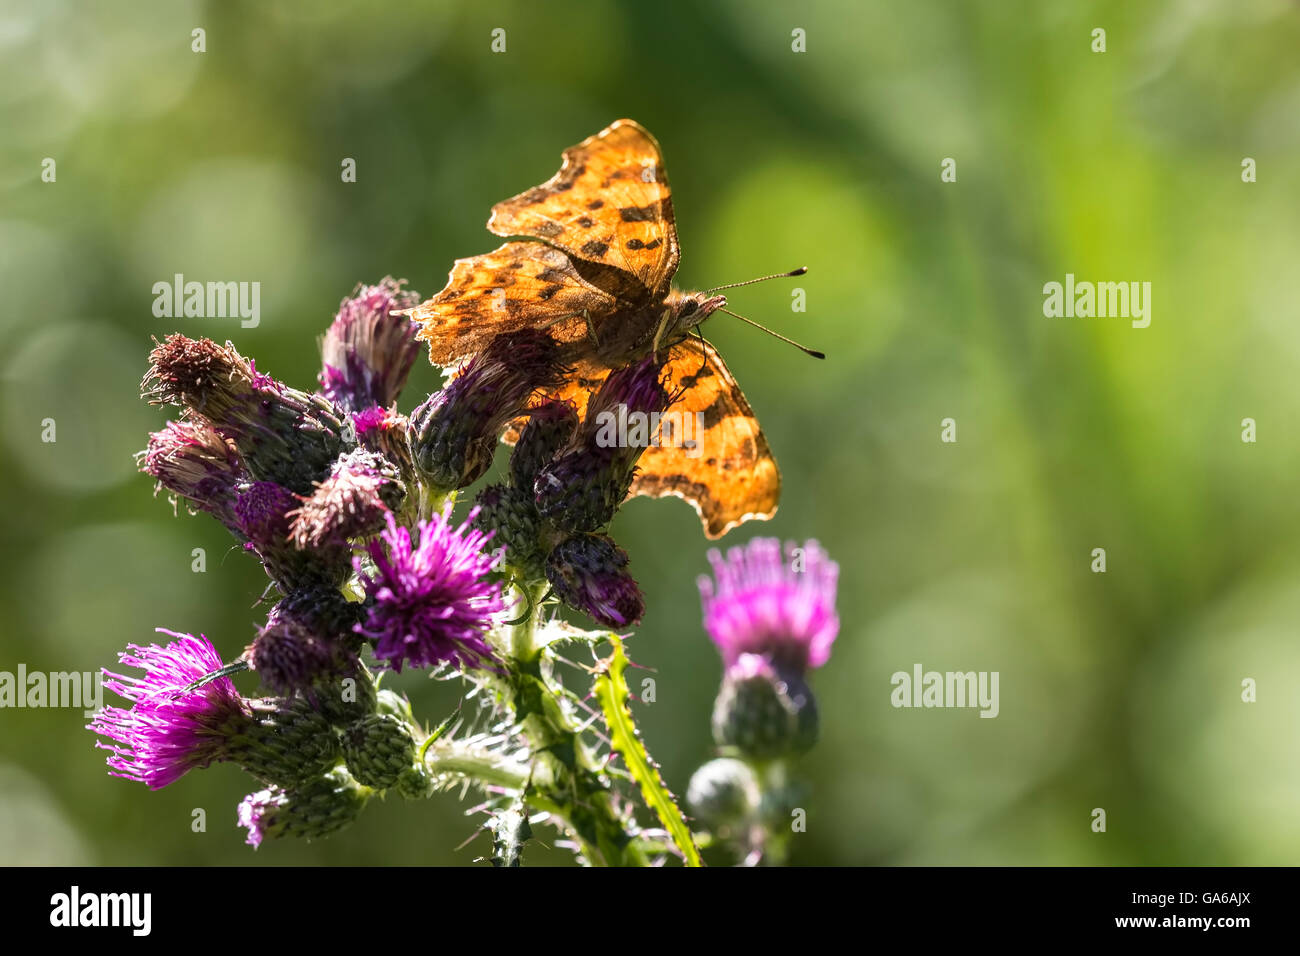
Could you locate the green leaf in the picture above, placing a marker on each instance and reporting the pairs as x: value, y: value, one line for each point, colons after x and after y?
x: 611, y: 690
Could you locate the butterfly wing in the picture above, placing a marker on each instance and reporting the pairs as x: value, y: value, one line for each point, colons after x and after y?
x: 730, y: 476
x: 610, y: 208
x: 520, y: 285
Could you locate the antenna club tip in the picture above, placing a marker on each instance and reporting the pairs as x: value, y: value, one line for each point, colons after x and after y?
x: 817, y: 355
x: 800, y: 271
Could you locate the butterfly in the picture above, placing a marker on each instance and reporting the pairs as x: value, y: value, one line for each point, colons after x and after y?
x: 591, y: 258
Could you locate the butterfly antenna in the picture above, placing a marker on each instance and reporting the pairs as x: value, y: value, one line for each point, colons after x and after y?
x: 776, y: 335
x: 776, y: 275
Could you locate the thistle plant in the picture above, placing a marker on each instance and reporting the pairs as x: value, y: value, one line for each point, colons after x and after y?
x: 348, y: 506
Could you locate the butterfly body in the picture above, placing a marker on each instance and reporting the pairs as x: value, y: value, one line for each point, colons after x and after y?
x: 590, y: 256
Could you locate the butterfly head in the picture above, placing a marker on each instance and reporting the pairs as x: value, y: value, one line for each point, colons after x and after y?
x: 689, y: 309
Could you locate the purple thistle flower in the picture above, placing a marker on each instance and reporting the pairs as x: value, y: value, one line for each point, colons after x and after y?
x: 368, y: 352
x: 372, y: 419
x: 589, y: 573
x: 167, y: 733
x: 454, y: 433
x: 282, y: 434
x: 762, y: 604
x: 265, y: 514
x: 433, y: 600
x: 588, y: 479
x: 192, y: 461
x: 351, y: 503
x: 257, y: 810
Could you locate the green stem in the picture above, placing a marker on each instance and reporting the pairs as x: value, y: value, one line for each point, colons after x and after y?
x: 586, y: 810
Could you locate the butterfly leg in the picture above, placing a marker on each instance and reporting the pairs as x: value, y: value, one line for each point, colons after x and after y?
x: 659, y: 332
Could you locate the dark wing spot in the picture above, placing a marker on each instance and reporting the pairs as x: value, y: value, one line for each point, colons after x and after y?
x: 635, y: 244
x: 549, y: 291
x: 647, y: 213
x: 549, y: 230
x: 718, y: 410
x: 595, y: 204
x: 550, y: 275
x: 594, y: 249
x: 585, y: 222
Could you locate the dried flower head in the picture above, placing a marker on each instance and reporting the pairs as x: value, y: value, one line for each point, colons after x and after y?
x: 589, y: 573
x: 368, y: 351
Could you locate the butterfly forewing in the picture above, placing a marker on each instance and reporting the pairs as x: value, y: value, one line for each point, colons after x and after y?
x: 609, y: 205
x: 520, y: 285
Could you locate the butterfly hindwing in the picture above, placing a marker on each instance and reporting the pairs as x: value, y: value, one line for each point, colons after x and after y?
x: 731, y: 476
x: 610, y: 206
x: 520, y: 285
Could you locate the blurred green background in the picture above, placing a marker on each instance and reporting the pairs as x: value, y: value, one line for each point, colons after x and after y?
x: 1119, y: 690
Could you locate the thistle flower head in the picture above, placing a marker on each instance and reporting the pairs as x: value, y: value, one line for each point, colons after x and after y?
x: 312, y: 810
x: 192, y: 461
x: 583, y: 486
x: 167, y: 731
x: 589, y: 573
x: 362, y: 488
x: 453, y: 435
x: 282, y: 434
x: 433, y: 599
x: 781, y: 608
x: 368, y: 351
x: 550, y: 425
x: 264, y: 513
x: 509, y: 515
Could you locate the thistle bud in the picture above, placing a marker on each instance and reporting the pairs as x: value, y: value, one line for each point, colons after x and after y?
x: 362, y: 488
x: 378, y: 749
x: 282, y: 434
x: 724, y: 792
x: 589, y: 573
x: 263, y: 515
x: 368, y: 351
x: 509, y: 513
x: 762, y: 712
x: 192, y: 461
x: 453, y: 435
x: 307, y: 646
x: 312, y: 810
x: 550, y: 425
x: 383, y: 431
x: 583, y: 486
x: 289, y: 743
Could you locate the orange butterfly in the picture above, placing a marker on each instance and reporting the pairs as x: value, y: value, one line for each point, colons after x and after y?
x: 595, y: 270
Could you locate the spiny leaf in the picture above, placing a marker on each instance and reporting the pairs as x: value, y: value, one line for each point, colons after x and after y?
x: 611, y: 690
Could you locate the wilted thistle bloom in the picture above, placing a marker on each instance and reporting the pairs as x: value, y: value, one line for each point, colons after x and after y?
x: 454, y: 434
x: 167, y: 732
x: 283, y: 435
x: 352, y: 502
x: 263, y: 514
x: 433, y: 600
x: 192, y: 461
x: 307, y: 640
x: 583, y: 486
x: 773, y: 618
x: 311, y: 810
x: 589, y: 573
x: 781, y: 608
x: 368, y: 352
